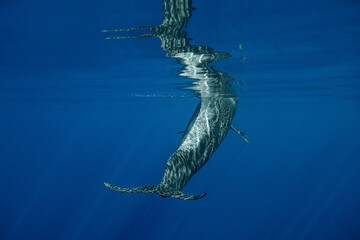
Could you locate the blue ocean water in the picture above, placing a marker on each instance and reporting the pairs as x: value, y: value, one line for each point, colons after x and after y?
x: 78, y: 109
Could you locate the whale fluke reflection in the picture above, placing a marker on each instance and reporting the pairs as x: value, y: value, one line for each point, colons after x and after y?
x: 212, y: 118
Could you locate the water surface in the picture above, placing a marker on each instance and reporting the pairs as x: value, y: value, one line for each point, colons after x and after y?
x: 77, y: 110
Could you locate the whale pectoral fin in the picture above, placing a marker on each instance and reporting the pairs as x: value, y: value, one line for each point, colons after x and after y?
x: 180, y: 132
x: 144, y: 189
x: 184, y: 196
x: 241, y: 133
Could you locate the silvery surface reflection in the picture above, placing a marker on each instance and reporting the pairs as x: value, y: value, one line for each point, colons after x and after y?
x: 212, y: 118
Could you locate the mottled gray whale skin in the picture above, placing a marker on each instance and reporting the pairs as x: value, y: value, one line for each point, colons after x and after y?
x: 206, y: 130
x: 211, y: 120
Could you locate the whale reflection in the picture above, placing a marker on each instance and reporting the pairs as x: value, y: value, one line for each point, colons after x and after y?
x: 212, y: 118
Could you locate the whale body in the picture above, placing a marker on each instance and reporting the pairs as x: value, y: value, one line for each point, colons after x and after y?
x: 206, y: 130
x: 212, y: 118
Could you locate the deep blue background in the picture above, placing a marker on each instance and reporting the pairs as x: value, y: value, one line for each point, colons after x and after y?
x: 77, y: 110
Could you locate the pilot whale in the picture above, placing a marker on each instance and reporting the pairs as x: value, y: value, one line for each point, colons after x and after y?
x: 206, y: 130
x: 213, y: 116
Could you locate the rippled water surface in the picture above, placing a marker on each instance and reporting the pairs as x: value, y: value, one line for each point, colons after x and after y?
x: 78, y: 109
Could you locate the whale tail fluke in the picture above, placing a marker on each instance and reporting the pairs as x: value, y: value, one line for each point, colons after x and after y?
x: 144, y: 189
x: 184, y: 196
x: 155, y: 189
